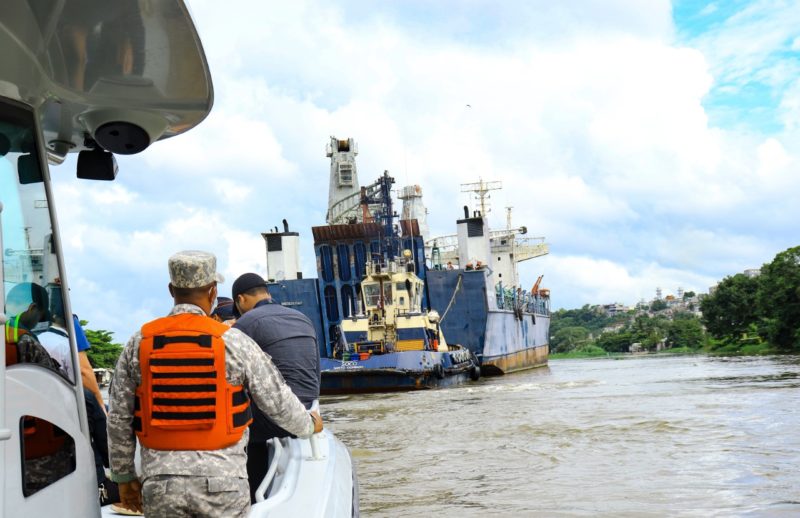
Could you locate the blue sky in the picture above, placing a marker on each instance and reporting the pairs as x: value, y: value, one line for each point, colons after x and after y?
x: 652, y: 143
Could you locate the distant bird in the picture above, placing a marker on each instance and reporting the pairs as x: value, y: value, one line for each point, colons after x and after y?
x: 469, y: 106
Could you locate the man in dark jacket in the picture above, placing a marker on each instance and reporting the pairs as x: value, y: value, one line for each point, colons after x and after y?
x: 288, y: 337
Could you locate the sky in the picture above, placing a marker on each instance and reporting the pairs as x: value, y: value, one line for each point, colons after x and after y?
x: 654, y: 144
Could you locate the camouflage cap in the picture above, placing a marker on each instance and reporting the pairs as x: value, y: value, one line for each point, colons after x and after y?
x: 193, y: 269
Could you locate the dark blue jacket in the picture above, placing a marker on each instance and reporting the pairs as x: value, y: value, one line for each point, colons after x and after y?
x: 289, y: 338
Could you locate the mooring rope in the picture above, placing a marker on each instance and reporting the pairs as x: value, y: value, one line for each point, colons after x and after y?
x: 453, y: 298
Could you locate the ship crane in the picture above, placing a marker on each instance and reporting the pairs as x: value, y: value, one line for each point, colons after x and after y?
x: 361, y: 205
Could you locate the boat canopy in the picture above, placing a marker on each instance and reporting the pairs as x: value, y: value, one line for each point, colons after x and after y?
x: 119, y: 74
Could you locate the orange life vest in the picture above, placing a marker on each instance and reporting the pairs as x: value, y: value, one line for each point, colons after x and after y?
x: 41, y: 437
x: 184, y: 401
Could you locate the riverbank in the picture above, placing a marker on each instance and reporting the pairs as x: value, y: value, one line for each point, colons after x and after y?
x: 719, y: 350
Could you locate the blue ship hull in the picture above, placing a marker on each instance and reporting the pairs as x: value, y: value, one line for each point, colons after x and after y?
x: 504, y: 340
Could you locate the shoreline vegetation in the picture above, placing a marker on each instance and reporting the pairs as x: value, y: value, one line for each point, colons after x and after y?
x: 748, y: 314
x: 597, y: 352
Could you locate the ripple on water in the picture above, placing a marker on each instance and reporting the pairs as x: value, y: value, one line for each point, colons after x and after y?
x: 641, y: 437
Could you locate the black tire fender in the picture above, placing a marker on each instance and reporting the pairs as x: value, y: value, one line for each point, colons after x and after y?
x: 475, y: 373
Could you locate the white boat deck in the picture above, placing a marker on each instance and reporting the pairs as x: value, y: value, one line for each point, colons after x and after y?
x: 302, y: 485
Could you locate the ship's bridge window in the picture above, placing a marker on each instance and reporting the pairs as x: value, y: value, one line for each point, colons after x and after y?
x: 372, y: 293
x: 387, y: 293
x: 345, y: 174
x: 29, y: 275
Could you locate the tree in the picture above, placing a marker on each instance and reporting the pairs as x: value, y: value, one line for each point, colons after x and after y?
x: 688, y: 294
x: 567, y: 338
x: 732, y: 307
x: 658, y: 305
x: 103, y: 353
x: 686, y: 331
x: 615, y: 342
x: 778, y: 300
x: 649, y: 331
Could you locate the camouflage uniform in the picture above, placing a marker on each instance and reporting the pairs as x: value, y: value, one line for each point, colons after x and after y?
x: 31, y: 351
x: 198, y: 482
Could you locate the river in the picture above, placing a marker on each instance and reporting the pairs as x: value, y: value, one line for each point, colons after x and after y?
x: 640, y: 436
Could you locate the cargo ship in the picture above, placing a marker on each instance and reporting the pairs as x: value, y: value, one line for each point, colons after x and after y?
x: 374, y: 328
x: 468, y: 315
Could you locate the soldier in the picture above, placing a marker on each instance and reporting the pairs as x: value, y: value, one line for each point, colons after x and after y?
x: 181, y: 386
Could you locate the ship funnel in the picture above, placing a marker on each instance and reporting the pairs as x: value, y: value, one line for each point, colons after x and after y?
x: 285, y: 226
x: 466, y: 211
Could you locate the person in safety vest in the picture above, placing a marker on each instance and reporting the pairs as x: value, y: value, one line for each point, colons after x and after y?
x: 27, y: 302
x: 182, y: 387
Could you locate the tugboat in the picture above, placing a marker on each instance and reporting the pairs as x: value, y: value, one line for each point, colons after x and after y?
x: 99, y: 79
x: 395, y: 344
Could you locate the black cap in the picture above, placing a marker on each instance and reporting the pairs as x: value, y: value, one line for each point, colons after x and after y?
x: 245, y: 282
x: 224, y: 308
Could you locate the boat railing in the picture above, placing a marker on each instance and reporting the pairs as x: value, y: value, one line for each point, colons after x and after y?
x: 281, y: 450
x: 511, y: 299
x: 314, y: 439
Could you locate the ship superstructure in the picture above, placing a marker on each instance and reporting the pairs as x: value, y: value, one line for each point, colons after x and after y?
x: 369, y: 303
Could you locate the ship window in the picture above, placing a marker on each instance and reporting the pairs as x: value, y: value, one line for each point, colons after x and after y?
x: 343, y: 256
x: 360, y: 253
x: 326, y: 258
x: 48, y: 453
x: 348, y: 302
x: 372, y: 293
x: 387, y: 293
x: 331, y: 304
x: 345, y: 174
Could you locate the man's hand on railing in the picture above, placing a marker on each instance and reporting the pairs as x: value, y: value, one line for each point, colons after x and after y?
x: 317, y: 421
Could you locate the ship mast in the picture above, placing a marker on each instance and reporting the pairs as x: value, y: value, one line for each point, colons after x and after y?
x: 481, y: 191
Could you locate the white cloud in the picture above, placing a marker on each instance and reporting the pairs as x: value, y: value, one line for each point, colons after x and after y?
x: 592, y: 117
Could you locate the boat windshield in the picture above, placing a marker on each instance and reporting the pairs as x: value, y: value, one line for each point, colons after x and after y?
x: 29, y: 272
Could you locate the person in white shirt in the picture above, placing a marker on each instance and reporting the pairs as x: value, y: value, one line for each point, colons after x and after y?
x: 55, y: 339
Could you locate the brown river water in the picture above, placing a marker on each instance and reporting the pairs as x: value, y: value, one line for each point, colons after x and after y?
x: 641, y: 436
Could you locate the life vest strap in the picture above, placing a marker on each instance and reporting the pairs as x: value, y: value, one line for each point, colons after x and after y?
x: 181, y: 362
x: 184, y: 416
x: 243, y: 418
x: 185, y: 388
x: 160, y: 341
